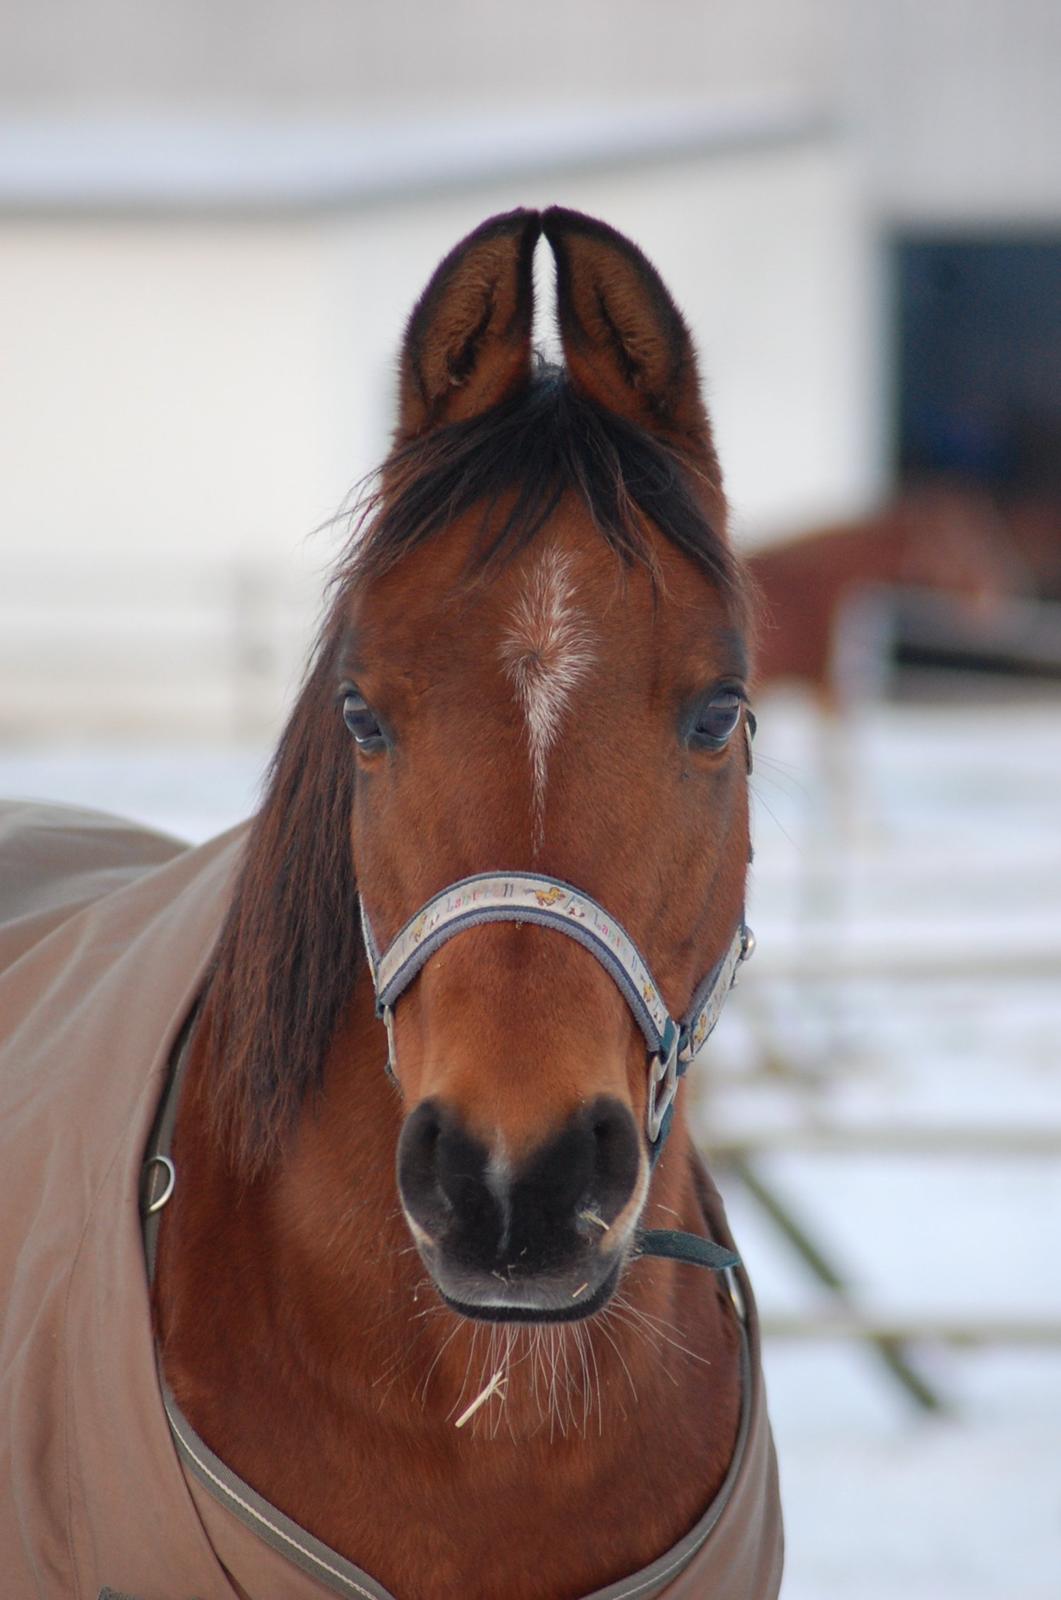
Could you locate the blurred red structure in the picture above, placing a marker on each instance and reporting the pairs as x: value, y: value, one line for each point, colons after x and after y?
x: 943, y: 538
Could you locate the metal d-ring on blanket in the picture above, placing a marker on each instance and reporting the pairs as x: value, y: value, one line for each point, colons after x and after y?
x: 154, y: 1205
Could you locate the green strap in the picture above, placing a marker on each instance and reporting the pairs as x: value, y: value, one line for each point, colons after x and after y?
x: 677, y: 1246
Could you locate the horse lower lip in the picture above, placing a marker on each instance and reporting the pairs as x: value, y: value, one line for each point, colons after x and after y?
x: 574, y: 1311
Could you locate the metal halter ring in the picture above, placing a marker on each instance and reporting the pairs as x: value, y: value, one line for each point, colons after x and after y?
x: 662, y: 1069
x: 747, y: 950
x: 170, y: 1184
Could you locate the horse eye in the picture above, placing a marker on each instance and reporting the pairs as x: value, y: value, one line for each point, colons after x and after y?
x: 717, y: 720
x: 361, y: 722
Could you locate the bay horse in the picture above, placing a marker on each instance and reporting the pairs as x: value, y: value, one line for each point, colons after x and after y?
x: 425, y: 1225
x: 938, y: 536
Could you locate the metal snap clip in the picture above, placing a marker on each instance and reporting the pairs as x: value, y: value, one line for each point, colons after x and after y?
x: 662, y: 1069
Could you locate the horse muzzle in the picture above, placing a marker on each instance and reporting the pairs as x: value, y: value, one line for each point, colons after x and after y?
x: 544, y: 1241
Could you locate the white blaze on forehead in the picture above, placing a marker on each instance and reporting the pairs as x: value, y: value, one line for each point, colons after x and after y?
x: 547, y: 651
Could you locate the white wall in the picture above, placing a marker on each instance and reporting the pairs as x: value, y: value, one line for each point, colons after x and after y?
x: 184, y: 401
x: 299, y: 56
x: 957, y: 107
x: 166, y: 388
x: 191, y: 386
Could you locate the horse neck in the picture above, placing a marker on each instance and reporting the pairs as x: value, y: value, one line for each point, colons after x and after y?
x: 332, y: 1327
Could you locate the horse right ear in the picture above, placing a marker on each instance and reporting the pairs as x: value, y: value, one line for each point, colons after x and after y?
x: 468, y: 342
x: 626, y: 345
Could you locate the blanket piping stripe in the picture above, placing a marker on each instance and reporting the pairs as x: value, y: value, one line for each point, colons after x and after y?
x: 248, y: 1512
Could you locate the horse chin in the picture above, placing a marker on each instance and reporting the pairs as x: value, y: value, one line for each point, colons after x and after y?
x: 575, y: 1307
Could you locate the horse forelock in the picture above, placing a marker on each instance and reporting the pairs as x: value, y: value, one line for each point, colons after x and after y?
x: 513, y: 465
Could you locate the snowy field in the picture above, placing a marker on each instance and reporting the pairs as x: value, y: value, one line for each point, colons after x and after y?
x: 908, y: 979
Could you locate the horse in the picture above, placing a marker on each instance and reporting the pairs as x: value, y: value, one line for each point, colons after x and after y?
x: 937, y: 536
x: 392, y: 1071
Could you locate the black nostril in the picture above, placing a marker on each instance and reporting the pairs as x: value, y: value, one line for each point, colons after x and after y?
x: 442, y: 1173
x: 417, y: 1150
x: 616, y: 1156
x: 609, y: 1126
x: 420, y: 1135
x: 592, y: 1165
x: 460, y: 1165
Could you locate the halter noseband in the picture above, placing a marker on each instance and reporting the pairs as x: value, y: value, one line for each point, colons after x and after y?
x: 552, y: 903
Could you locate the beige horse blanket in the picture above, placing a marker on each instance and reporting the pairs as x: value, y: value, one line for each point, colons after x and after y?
x: 105, y: 933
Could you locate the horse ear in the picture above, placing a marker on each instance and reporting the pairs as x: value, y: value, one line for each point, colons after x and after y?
x: 626, y: 345
x: 468, y: 342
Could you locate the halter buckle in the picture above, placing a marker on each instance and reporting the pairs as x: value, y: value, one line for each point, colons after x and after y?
x: 387, y: 1018
x: 662, y: 1069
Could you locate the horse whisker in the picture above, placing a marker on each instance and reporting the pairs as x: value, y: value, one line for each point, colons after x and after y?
x: 647, y: 1332
x: 622, y: 1359
x: 441, y: 1352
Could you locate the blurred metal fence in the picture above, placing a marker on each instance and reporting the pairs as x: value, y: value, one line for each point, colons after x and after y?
x: 120, y: 648
x: 921, y: 906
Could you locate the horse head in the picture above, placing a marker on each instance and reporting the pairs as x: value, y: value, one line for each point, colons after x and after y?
x: 534, y: 664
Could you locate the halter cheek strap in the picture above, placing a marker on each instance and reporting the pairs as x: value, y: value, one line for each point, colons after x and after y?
x: 552, y: 903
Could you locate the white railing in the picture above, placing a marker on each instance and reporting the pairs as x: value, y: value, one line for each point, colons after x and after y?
x: 166, y: 649
x: 896, y: 940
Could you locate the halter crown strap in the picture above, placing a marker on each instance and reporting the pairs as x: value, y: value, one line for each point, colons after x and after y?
x: 553, y: 903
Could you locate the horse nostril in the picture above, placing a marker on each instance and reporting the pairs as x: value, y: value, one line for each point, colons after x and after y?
x: 442, y: 1172
x: 421, y: 1132
x: 609, y: 1126
x: 616, y: 1157
x: 417, y: 1161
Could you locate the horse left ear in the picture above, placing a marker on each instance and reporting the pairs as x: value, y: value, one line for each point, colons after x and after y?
x: 468, y: 343
x: 626, y: 345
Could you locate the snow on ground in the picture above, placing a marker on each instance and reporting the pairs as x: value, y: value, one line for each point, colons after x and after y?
x: 940, y: 834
